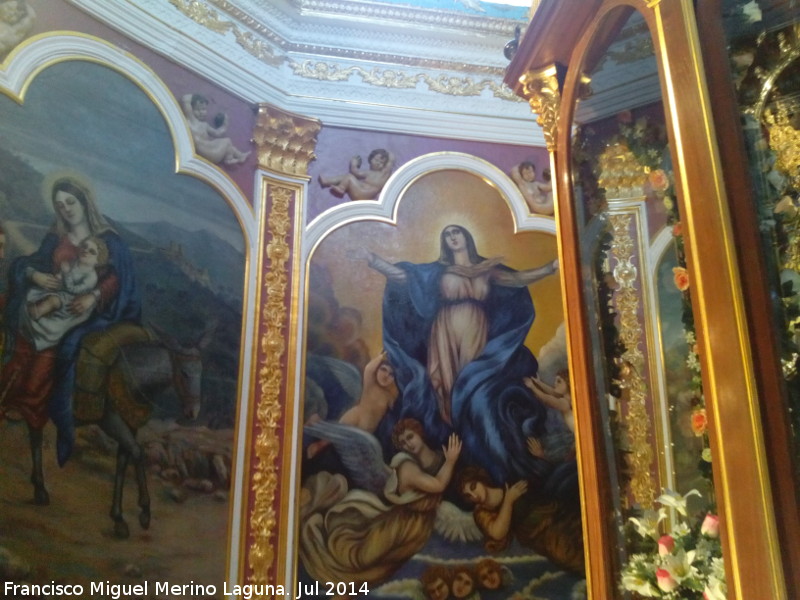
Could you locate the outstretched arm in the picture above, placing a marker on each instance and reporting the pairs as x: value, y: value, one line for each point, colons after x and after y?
x: 389, y: 163
x: 372, y: 366
x: 517, y: 176
x: 186, y: 105
x: 524, y: 278
x: 535, y: 381
x: 529, y: 189
x: 384, y: 267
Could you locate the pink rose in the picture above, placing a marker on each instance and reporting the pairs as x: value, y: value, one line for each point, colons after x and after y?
x: 699, y: 422
x: 666, y: 543
x: 681, y: 278
x: 710, y: 526
x: 666, y: 582
x: 677, y: 229
x: 659, y: 180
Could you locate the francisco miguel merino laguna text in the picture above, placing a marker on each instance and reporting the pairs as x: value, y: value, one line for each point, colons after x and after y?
x: 117, y: 591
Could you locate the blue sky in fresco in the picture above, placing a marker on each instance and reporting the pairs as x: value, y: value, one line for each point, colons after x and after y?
x: 88, y: 118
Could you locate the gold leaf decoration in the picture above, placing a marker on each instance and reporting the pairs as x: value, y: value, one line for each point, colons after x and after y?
x: 541, y: 90
x: 387, y: 78
x: 272, y: 347
x: 631, y: 334
x: 456, y: 86
x: 621, y: 173
x: 285, y: 142
x: 390, y: 78
x: 784, y: 139
x: 210, y: 19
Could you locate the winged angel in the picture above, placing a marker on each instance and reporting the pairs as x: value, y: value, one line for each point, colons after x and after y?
x: 366, y: 533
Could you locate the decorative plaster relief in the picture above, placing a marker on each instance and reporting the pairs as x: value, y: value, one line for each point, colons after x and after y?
x: 285, y: 142
x: 541, y: 90
x: 443, y: 84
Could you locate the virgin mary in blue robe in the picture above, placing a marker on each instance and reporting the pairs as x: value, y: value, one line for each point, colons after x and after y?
x: 454, y: 331
x: 117, y: 300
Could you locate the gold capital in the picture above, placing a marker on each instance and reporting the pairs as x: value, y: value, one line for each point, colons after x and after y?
x: 285, y: 142
x: 540, y: 89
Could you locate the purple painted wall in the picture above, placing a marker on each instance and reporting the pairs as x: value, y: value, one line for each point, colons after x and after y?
x: 335, y: 147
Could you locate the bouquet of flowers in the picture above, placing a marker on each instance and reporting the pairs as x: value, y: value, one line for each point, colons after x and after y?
x: 684, y: 564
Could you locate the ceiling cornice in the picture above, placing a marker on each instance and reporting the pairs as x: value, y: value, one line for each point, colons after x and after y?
x: 407, y: 76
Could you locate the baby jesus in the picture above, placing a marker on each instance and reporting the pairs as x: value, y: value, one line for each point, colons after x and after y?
x: 50, y: 313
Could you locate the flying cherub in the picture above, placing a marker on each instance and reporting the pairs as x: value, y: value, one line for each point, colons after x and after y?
x: 210, y: 140
x: 16, y: 21
x: 538, y: 196
x: 361, y: 184
x: 378, y: 394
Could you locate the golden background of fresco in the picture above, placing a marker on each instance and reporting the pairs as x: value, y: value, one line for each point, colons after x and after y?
x: 427, y: 206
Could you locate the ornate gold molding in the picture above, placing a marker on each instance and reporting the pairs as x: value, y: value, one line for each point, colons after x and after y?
x: 285, y: 142
x: 272, y: 346
x: 631, y: 334
x: 773, y: 54
x: 621, y: 173
x: 391, y: 78
x: 784, y: 139
x: 331, y: 72
x: 201, y: 14
x: 540, y: 89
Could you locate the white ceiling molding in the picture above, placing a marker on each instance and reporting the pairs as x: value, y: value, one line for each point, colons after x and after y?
x: 317, y: 58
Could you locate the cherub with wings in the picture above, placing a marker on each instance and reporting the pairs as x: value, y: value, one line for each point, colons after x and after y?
x: 366, y: 533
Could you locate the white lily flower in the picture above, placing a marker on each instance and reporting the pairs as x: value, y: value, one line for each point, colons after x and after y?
x: 675, y: 500
x: 634, y: 583
x: 715, y: 590
x: 680, y: 565
x: 647, y: 526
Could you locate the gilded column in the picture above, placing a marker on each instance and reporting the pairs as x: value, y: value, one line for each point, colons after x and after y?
x: 285, y: 145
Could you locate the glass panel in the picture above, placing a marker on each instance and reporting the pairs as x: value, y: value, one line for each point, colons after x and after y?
x: 646, y: 365
x: 764, y: 41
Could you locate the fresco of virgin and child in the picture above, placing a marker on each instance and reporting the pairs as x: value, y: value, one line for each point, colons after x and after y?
x: 469, y: 458
x: 122, y: 304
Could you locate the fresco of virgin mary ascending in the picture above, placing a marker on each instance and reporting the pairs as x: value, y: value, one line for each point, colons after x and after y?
x: 438, y: 438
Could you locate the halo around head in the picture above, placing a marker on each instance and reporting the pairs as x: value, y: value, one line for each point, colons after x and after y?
x: 77, y: 179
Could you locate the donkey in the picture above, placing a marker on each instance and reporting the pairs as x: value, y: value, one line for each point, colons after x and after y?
x: 140, y: 371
